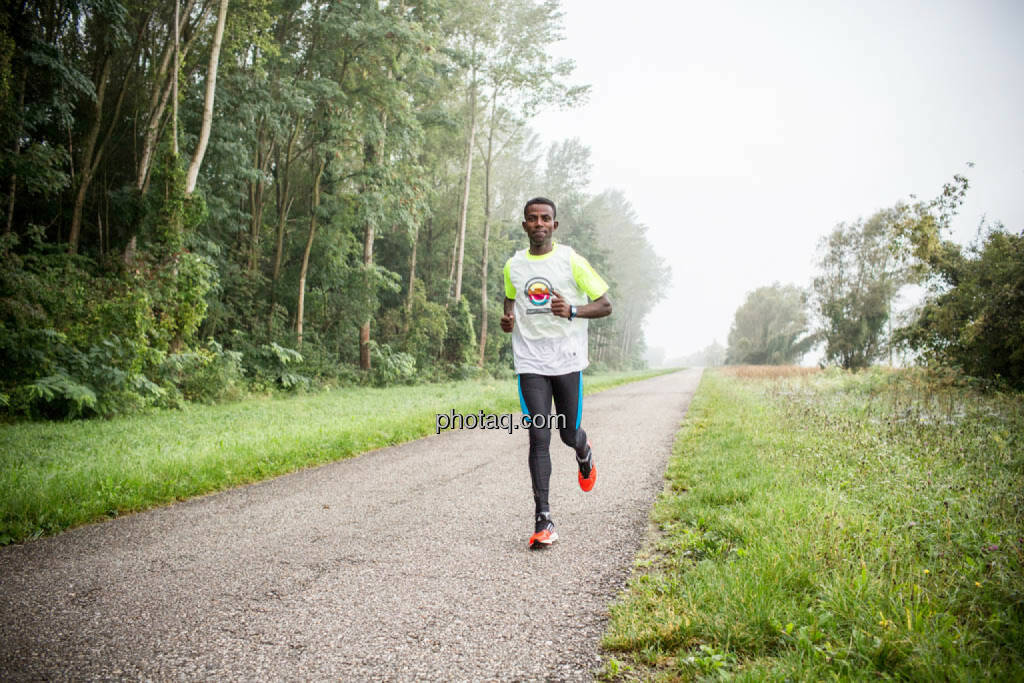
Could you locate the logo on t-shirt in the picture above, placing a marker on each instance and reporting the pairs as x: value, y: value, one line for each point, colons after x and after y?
x: 538, y: 291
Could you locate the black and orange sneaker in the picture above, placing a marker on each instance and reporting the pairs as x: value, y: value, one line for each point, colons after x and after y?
x: 545, y: 533
x: 588, y: 473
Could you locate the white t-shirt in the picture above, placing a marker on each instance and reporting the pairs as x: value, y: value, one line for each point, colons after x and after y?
x: 543, y: 343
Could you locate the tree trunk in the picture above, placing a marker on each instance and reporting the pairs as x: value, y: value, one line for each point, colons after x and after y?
x: 93, y: 152
x: 159, y: 98
x: 369, y: 159
x: 412, y: 279
x: 282, y: 186
x: 461, y: 240
x: 87, y: 166
x: 314, y: 206
x: 256, y: 200
x: 483, y: 291
x: 627, y: 338
x: 153, y: 134
x: 174, y: 80
x: 211, y: 89
x: 451, y: 267
x: 597, y: 338
x: 488, y: 163
x: 17, y: 152
x: 451, y: 261
x: 364, y: 331
x: 10, y: 198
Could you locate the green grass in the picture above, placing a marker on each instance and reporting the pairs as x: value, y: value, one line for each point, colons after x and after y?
x: 834, y: 526
x: 57, y: 475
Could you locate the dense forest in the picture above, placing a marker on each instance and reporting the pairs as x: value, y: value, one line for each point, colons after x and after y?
x: 202, y: 198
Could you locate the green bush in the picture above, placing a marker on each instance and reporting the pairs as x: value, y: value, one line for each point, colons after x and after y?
x: 80, y: 339
x: 502, y: 372
x: 176, y: 292
x: 67, y: 382
x: 272, y: 366
x: 389, y: 366
x: 460, y: 339
x: 206, y: 374
x: 428, y: 329
x: 59, y: 393
x: 975, y: 320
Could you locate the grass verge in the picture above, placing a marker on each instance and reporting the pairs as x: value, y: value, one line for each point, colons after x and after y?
x: 57, y: 475
x: 833, y: 526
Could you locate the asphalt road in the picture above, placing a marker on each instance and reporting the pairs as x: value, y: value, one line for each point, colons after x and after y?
x: 405, y: 563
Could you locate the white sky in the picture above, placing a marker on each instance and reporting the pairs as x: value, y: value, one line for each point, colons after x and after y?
x: 742, y: 132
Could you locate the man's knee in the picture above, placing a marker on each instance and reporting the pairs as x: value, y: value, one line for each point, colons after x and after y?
x: 539, y: 436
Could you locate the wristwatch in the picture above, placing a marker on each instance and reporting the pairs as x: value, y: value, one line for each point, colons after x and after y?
x: 572, y: 312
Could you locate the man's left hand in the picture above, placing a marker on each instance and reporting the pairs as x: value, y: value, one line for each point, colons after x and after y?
x: 559, y: 306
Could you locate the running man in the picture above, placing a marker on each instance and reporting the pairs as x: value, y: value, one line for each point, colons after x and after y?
x: 546, y: 309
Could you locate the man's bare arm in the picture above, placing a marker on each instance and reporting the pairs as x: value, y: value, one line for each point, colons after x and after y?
x: 598, y: 308
x: 508, y: 320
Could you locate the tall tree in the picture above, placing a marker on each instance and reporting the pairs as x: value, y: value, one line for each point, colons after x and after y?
x: 638, y: 276
x: 973, y: 319
x: 523, y: 80
x: 858, y: 278
x: 211, y: 91
x: 111, y: 38
x: 770, y: 327
x: 973, y: 316
x: 509, y: 57
x: 177, y: 43
x: 311, y: 235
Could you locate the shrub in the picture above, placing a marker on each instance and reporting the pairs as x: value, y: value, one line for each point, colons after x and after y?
x: 389, y: 366
x: 206, y: 374
x: 460, y: 340
x: 273, y: 366
x: 974, y: 321
x: 64, y: 381
x: 78, y: 339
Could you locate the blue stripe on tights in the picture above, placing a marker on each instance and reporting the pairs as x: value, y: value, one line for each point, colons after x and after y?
x: 579, y: 404
x: 522, y: 401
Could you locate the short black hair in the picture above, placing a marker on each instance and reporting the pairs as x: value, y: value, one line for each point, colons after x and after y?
x: 541, y: 200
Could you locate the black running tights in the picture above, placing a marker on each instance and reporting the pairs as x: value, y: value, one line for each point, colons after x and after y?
x: 535, y: 394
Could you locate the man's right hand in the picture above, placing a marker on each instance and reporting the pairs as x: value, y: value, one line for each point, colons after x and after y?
x: 508, y: 321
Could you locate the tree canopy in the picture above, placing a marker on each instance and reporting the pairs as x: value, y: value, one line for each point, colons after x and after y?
x: 858, y: 278
x: 973, y: 316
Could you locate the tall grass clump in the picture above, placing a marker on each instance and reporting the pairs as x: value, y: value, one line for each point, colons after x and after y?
x: 834, y: 525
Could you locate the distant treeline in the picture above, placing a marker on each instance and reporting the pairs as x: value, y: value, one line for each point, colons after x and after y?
x: 971, y: 320
x: 203, y: 198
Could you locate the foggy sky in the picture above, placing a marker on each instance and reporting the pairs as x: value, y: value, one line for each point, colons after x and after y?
x: 742, y: 132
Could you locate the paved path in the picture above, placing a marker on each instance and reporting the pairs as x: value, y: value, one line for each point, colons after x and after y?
x: 405, y: 563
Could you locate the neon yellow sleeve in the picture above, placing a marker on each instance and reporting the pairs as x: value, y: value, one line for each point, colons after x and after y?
x: 587, y: 278
x: 510, y: 291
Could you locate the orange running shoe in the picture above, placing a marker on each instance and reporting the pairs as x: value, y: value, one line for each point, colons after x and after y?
x: 545, y: 532
x: 588, y: 473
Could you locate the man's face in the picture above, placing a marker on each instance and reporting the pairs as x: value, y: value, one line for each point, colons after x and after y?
x: 540, y: 224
